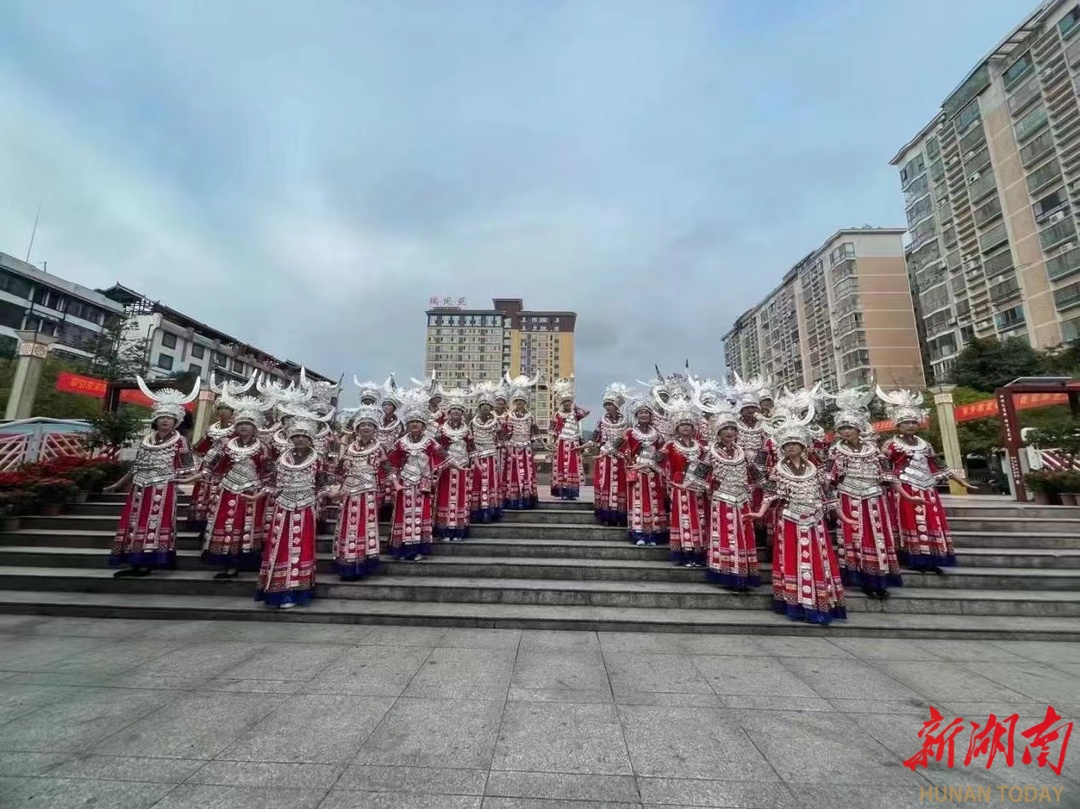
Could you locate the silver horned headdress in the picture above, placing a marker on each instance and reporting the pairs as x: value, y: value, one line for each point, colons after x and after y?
x: 169, y: 401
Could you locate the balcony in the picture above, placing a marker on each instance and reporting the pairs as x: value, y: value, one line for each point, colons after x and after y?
x: 1023, y: 96
x: 1064, y: 264
x: 993, y: 237
x: 1044, y: 175
x: 1067, y: 297
x: 1056, y: 234
x: 1005, y: 290
x: 981, y: 186
x: 1038, y: 147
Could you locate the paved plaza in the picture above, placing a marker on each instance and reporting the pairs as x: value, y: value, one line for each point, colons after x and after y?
x: 124, y: 714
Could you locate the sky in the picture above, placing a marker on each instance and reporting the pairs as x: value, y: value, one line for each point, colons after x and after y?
x: 306, y: 175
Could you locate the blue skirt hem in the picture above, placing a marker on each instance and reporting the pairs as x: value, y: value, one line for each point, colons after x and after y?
x: 299, y: 598
x: 155, y: 560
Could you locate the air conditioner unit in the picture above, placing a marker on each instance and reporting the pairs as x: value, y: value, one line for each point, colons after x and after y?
x: 969, y: 155
x: 1057, y: 217
x: 952, y: 160
x: 1066, y: 247
x: 974, y: 177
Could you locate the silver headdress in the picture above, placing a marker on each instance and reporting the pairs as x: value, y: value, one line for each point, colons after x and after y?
x: 168, y: 401
x: 367, y: 414
x: 519, y: 386
x: 230, y: 388
x: 617, y: 393
x: 431, y: 386
x: 747, y: 392
x: 853, y: 409
x: 792, y: 429
x: 369, y: 392
x: 682, y: 411
x: 390, y: 393
x: 724, y: 418
x: 709, y: 395
x: 659, y: 389
x: 639, y: 403
x: 456, y: 399
x: 249, y: 409
x: 306, y: 422
x: 485, y: 392
x: 322, y: 393
x: 284, y: 397
x: 903, y: 405
x: 414, y: 405
x: 563, y: 389
x: 796, y: 402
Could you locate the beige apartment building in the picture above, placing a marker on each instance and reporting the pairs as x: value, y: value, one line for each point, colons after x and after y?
x: 466, y: 344
x: 988, y: 187
x: 842, y: 316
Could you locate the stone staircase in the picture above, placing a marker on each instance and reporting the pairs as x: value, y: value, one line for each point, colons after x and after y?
x: 554, y: 568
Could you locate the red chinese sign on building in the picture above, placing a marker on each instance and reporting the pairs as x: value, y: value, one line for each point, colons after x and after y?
x: 67, y: 382
x: 1047, y: 741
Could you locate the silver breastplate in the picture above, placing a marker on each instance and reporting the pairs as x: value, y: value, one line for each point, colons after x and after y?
x: 361, y: 467
x: 730, y: 476
x: 483, y: 434
x: 862, y: 470
x: 520, y: 430
x: 296, y: 482
x: 155, y: 463
x: 243, y: 475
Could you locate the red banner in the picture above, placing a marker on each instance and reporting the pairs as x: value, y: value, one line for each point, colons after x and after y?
x: 67, y: 382
x: 136, y: 397
x: 988, y: 408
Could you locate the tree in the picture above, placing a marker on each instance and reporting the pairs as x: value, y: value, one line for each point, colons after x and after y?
x: 116, y: 355
x: 1064, y: 360
x: 988, y: 363
x: 977, y: 437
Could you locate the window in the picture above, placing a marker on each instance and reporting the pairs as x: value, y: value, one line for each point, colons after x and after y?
x: 998, y: 263
x: 11, y: 314
x: 993, y: 237
x: 987, y: 211
x: 1070, y: 330
x: 49, y: 298
x: 168, y: 340
x: 1067, y: 297
x: 1056, y: 234
x: 1049, y: 204
x: 1017, y: 70
x: 197, y: 351
x: 220, y: 360
x: 1031, y: 123
x: 1037, y: 148
x: 934, y: 299
x: 1005, y: 289
x: 86, y: 312
x: 15, y: 284
x: 1063, y: 264
x: 164, y: 361
x: 1068, y: 23
x: 1010, y: 318
x: 968, y: 115
x: 1043, y: 175
x: 919, y: 211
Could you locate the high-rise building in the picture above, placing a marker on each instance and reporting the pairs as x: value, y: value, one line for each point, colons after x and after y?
x: 466, y: 345
x: 989, y: 186
x: 842, y: 316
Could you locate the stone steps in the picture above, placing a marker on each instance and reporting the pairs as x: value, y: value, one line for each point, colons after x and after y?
x: 553, y: 567
x: 619, y: 594
x: 654, y: 568
x: 558, y: 568
x: 512, y: 616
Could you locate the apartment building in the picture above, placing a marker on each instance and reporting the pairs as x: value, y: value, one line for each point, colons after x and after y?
x: 465, y: 344
x: 990, y: 185
x: 842, y: 316
x: 179, y: 343
x: 34, y: 300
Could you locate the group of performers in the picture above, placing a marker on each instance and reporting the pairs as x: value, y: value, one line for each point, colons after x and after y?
x: 722, y: 474
x: 269, y: 466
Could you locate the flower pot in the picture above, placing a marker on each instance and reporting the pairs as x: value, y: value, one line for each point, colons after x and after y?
x: 9, y: 524
x: 1068, y: 498
x: 82, y: 495
x: 1041, y: 498
x: 51, y: 509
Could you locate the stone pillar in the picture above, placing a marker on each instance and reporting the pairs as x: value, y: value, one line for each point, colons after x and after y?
x: 204, y: 414
x: 32, y: 352
x: 950, y: 440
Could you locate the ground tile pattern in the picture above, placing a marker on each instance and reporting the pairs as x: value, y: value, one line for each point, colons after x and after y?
x: 169, y: 714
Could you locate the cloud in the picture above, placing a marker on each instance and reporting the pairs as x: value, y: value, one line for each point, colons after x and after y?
x: 306, y: 177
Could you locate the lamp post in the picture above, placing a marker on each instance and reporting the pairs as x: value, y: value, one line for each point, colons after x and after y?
x: 950, y: 439
x: 32, y: 352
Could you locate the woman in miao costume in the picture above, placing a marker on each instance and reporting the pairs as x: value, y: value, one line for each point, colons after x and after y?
x: 647, y: 519
x: 519, y: 475
x: 201, y: 502
x: 924, y: 529
x: 453, y: 498
x: 683, y: 458
x: 146, y: 535
x: 746, y: 395
x: 327, y: 446
x: 609, y: 471
x: 242, y: 464
x: 859, y: 471
x: 501, y: 411
x: 486, y: 432
x: 807, y: 583
x: 731, y: 559
x: 362, y: 463
x: 295, y: 492
x: 387, y: 433
x: 417, y: 459
x: 566, y: 427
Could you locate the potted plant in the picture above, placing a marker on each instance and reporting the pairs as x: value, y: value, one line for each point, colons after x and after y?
x: 12, y: 503
x: 88, y: 478
x: 53, y: 494
x: 1043, y: 485
x: 1070, y: 487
